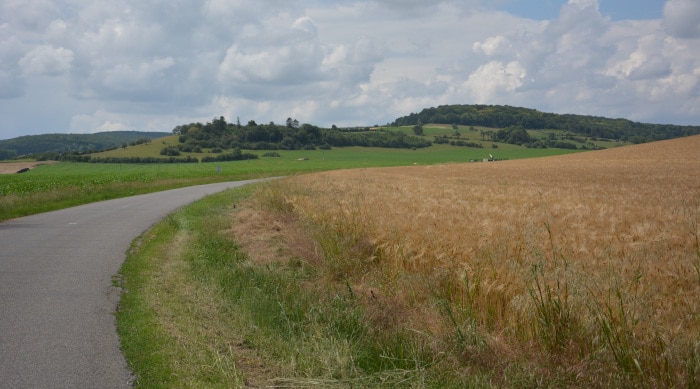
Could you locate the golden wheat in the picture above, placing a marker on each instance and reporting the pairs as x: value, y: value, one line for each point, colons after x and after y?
x: 612, y: 234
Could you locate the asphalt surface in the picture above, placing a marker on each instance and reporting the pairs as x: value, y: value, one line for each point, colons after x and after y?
x: 57, y: 302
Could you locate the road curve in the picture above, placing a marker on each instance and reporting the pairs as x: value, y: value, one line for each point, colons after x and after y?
x: 57, y: 302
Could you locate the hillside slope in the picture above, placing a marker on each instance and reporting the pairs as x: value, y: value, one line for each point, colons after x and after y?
x: 63, y: 143
x: 501, y: 116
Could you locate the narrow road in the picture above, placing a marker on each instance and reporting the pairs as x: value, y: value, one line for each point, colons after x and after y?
x: 57, y: 302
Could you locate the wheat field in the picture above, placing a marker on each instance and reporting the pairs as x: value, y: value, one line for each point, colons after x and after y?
x: 588, y: 263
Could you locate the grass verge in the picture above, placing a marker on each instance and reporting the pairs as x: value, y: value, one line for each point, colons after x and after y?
x: 197, y: 312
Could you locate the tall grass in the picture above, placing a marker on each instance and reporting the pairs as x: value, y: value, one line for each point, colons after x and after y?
x: 578, y: 270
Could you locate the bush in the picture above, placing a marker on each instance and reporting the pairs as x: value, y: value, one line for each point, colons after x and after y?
x: 171, y: 151
x: 235, y: 156
x: 564, y: 145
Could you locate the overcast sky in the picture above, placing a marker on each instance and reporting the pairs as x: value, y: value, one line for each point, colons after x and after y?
x: 84, y: 66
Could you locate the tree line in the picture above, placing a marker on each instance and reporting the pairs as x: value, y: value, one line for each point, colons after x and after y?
x: 219, y: 134
x: 503, y: 116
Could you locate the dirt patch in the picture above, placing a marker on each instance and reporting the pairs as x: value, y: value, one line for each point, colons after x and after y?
x: 265, y: 238
x: 14, y: 167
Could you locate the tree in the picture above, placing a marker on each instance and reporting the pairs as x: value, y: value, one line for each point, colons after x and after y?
x: 513, y: 135
x: 292, y: 123
x: 418, y: 128
x: 219, y: 125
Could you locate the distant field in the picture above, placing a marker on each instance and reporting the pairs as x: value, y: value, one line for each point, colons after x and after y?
x: 478, y: 135
x: 14, y: 167
x: 49, y: 187
x: 581, y: 270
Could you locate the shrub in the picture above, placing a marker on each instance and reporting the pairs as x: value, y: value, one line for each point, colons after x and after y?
x: 171, y: 151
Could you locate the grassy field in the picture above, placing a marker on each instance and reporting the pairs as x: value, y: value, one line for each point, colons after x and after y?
x: 580, y: 270
x: 55, y: 186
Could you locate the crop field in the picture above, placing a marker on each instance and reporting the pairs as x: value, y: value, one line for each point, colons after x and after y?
x: 576, y: 270
x: 52, y: 186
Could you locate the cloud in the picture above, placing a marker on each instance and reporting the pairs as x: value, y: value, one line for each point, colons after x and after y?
x: 495, y: 78
x: 492, y: 45
x: 11, y: 84
x: 681, y: 18
x: 582, y: 62
x: 138, y: 77
x: 46, y: 61
x: 136, y: 64
x: 97, y: 122
x: 305, y: 24
x: 29, y: 17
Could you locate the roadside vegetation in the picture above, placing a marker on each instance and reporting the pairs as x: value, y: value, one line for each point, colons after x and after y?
x: 579, y: 270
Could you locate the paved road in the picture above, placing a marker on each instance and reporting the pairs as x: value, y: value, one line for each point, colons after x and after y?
x: 57, y: 301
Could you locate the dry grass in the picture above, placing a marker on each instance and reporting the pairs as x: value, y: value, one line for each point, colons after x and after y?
x: 584, y: 267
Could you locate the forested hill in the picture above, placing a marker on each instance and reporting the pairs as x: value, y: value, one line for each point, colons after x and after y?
x: 501, y: 116
x: 219, y: 134
x: 63, y: 143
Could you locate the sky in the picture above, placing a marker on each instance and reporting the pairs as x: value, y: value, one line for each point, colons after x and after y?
x: 85, y: 66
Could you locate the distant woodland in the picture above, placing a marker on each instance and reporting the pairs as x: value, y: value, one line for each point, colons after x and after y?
x: 289, y: 136
x: 57, y: 144
x: 503, y: 116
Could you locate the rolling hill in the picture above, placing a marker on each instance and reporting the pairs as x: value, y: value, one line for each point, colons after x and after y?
x: 64, y: 143
x: 502, y: 116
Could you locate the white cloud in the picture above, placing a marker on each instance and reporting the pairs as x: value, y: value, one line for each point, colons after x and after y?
x: 330, y: 62
x: 305, y: 24
x: 97, y: 122
x: 493, y: 79
x: 29, y: 17
x: 682, y: 18
x: 492, y: 45
x: 137, y: 77
x: 11, y: 84
x: 46, y: 60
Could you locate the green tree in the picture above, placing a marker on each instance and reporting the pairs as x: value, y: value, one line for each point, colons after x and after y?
x: 418, y: 128
x: 292, y: 123
x: 513, y: 134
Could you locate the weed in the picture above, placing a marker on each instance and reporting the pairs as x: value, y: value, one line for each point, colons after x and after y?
x: 556, y: 322
x: 617, y: 320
